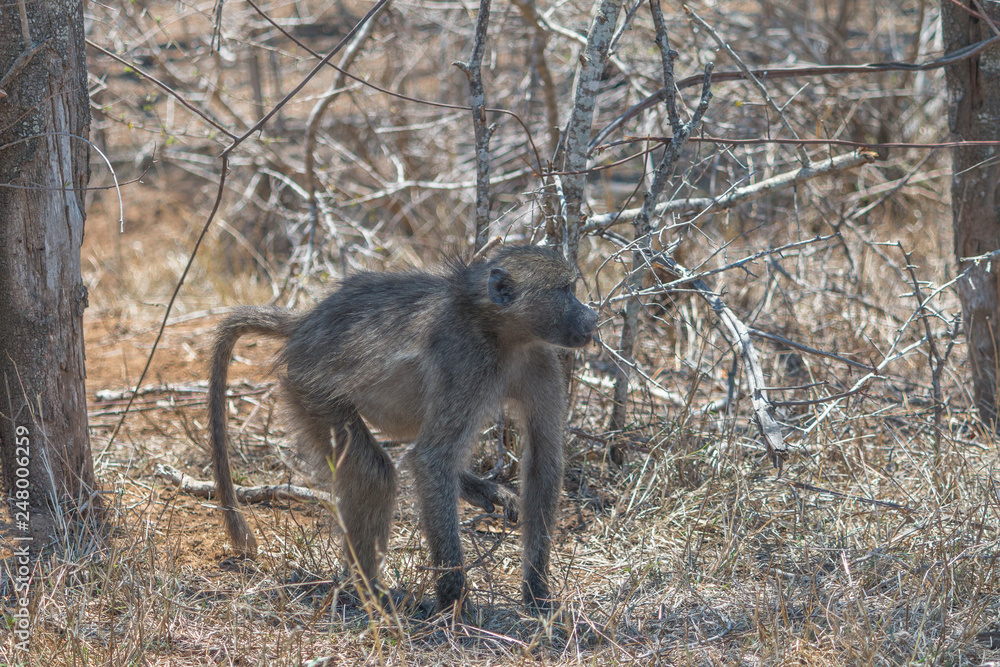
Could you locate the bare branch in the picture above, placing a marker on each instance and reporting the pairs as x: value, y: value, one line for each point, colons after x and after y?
x: 748, y: 75
x: 740, y: 263
x: 307, y: 78
x: 538, y: 44
x: 737, y: 196
x: 622, y: 67
x: 775, y: 338
x: 203, y: 114
x: 223, y: 172
x: 794, y: 72
x: 312, y: 126
x: 738, y: 336
x: 394, y: 94
x: 477, y: 100
x: 490, y: 245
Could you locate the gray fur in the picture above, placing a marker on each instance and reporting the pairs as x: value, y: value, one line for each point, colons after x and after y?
x: 427, y: 358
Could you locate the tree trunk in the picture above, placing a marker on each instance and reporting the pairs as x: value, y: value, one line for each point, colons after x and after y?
x: 44, y: 171
x: 974, y: 114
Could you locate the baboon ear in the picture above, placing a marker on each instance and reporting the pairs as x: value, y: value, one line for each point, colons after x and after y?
x: 501, y: 287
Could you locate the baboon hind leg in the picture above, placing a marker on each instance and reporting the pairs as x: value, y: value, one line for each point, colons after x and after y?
x: 365, y: 486
x: 312, y: 440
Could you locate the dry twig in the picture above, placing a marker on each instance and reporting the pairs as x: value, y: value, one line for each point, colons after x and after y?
x: 246, y: 494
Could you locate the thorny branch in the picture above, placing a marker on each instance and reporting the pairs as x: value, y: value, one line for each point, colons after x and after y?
x: 738, y: 336
x: 662, y: 287
x: 642, y: 225
x: 935, y: 358
x: 771, y: 73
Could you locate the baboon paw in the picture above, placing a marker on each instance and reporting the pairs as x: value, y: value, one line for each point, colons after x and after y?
x: 537, y: 598
x: 451, y: 591
x: 510, y: 502
x: 486, y: 495
x: 406, y: 604
x: 463, y: 611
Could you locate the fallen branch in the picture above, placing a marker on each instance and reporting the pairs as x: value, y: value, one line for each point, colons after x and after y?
x: 195, y: 387
x: 246, y: 494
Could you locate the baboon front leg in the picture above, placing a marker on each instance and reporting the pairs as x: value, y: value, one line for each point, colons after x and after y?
x: 486, y: 494
x: 365, y: 486
x: 542, y: 407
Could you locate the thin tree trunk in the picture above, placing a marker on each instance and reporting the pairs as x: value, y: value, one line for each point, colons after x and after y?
x: 44, y: 124
x: 974, y: 114
x: 578, y: 128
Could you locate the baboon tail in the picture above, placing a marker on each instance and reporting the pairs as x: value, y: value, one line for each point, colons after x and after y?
x: 268, y: 321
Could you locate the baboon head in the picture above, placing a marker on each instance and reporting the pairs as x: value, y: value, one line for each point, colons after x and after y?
x: 533, y: 286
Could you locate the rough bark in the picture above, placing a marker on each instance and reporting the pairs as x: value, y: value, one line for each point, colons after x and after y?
x: 44, y: 123
x: 974, y: 115
x: 483, y: 132
x: 578, y: 129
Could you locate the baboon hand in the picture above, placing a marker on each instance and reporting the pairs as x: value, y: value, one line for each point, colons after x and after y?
x: 487, y: 495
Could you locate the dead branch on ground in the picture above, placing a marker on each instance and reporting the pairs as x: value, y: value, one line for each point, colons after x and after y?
x: 246, y: 494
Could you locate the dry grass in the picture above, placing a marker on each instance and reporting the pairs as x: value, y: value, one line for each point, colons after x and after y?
x: 877, y: 545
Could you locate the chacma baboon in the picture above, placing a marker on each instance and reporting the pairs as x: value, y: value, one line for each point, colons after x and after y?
x: 428, y: 358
